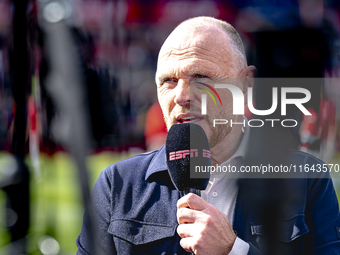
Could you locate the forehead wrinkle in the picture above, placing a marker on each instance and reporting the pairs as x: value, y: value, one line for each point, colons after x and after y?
x: 215, y: 55
x: 174, y: 69
x: 190, y: 69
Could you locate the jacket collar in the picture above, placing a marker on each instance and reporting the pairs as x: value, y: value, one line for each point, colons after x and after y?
x: 158, y: 163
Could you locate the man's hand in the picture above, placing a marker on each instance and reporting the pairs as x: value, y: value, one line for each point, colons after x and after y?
x: 203, y: 228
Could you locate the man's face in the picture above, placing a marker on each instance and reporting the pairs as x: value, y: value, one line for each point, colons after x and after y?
x: 186, y: 62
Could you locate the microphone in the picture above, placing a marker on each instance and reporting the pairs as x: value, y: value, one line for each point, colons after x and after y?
x: 187, y: 153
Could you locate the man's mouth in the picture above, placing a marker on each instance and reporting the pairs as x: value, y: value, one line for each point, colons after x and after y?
x: 187, y: 118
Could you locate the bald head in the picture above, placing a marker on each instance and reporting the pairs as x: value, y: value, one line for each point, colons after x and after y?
x: 213, y: 28
x: 199, y: 23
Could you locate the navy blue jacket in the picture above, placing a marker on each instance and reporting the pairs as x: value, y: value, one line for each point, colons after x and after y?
x: 135, y: 204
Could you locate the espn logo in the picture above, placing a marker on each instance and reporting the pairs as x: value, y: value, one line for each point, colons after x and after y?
x: 184, y: 153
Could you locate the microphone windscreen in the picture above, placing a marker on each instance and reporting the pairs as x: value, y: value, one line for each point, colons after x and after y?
x: 187, y: 150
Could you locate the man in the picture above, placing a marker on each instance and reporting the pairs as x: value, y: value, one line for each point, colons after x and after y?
x: 138, y: 209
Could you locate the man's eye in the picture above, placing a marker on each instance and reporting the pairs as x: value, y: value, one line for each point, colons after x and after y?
x: 200, y: 76
x: 169, y: 80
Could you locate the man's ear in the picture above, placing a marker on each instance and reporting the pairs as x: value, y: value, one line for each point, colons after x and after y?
x: 247, y: 75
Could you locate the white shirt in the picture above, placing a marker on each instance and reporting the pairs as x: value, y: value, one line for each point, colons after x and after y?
x: 222, y: 191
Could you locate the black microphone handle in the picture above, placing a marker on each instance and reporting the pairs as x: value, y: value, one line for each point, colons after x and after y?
x: 192, y: 190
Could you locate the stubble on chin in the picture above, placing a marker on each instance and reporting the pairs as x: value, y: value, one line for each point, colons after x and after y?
x: 217, y: 134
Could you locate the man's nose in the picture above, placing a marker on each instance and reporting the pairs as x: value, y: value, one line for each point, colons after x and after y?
x: 182, y: 96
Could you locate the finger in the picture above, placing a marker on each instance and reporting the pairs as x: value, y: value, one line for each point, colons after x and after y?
x: 188, y: 244
x: 187, y: 230
x: 193, y: 202
x: 186, y: 215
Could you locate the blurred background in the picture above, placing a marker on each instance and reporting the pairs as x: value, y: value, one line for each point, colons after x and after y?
x: 77, y: 93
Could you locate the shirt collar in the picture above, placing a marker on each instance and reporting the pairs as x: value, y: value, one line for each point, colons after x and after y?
x: 241, y: 150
